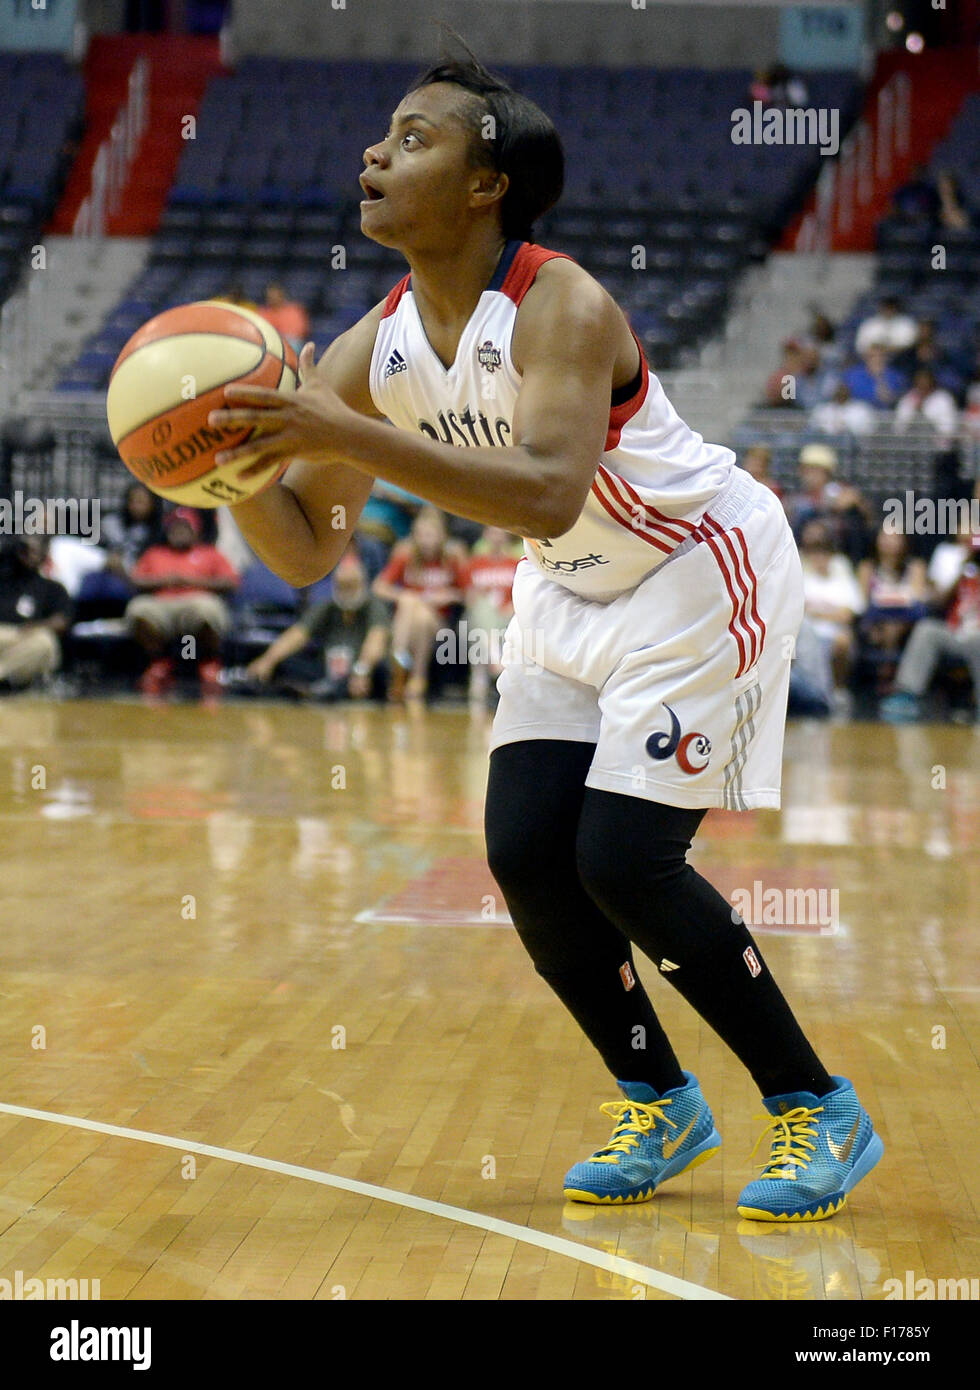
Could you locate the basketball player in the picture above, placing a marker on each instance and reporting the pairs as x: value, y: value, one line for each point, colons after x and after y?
x: 646, y: 667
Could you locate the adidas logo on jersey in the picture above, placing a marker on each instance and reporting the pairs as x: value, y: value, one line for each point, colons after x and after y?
x: 395, y: 363
x: 666, y: 966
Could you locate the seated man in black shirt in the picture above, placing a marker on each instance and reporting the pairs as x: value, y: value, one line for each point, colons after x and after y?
x: 352, y: 629
x: 34, y: 614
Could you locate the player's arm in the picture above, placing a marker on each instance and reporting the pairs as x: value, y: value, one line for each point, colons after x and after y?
x: 301, y: 525
x: 565, y: 347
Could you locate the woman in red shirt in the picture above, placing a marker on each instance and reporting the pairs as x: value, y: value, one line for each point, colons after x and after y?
x: 489, y: 605
x: 424, y: 578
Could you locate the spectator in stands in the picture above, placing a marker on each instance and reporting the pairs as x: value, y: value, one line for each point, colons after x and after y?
x: 787, y: 88
x: 842, y: 414
x: 73, y: 562
x: 797, y: 382
x: 822, y: 337
x: 929, y: 405
x: 425, y: 579
x: 350, y: 630
x: 125, y: 534
x: 489, y: 607
x: 832, y: 599
x: 890, y: 328
x: 757, y: 461
x: 818, y: 491
x: 926, y: 352
x: 136, y: 526
x: 760, y: 88
x: 874, y: 380
x: 916, y: 201
x: 947, y: 560
x: 182, y: 584
x: 932, y: 639
x: 896, y: 595
x: 286, y: 315
x: 234, y: 293
x: 971, y: 408
x: 34, y: 614
x: 954, y: 212
x: 778, y: 86
x: 811, y: 683
x: 842, y: 509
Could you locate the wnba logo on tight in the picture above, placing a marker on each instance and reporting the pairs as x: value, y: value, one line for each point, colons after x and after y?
x: 793, y: 908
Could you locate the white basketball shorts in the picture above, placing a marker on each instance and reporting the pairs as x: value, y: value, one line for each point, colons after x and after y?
x: 682, y: 682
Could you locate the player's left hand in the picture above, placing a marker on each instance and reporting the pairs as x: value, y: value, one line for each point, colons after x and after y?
x: 308, y: 423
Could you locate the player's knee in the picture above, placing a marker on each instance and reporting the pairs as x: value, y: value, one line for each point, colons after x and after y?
x: 516, y: 855
x: 621, y: 886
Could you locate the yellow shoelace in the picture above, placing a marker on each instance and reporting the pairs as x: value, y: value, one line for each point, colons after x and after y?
x: 633, y: 1120
x: 792, y: 1144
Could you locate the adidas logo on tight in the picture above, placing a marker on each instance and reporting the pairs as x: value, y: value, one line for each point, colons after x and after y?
x: 395, y: 363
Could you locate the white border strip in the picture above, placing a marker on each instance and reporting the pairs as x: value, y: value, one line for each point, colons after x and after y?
x: 666, y: 1283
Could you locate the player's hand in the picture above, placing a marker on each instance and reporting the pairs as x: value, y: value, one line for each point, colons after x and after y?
x: 308, y: 423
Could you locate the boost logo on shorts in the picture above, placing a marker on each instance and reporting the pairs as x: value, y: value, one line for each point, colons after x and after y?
x: 674, y: 744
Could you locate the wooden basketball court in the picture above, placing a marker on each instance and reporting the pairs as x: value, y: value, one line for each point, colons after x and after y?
x: 265, y: 1031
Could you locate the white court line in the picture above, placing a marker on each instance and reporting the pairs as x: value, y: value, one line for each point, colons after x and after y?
x: 585, y: 1254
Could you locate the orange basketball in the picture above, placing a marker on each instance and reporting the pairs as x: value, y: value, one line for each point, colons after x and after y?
x: 167, y: 380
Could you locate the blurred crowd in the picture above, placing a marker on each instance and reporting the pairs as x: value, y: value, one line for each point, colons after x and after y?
x: 888, y: 612
x: 419, y: 603
x: 898, y: 376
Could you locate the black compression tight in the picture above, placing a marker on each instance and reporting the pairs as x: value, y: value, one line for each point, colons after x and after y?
x: 587, y: 874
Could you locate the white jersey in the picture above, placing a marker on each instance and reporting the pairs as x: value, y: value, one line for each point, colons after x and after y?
x: 654, y: 480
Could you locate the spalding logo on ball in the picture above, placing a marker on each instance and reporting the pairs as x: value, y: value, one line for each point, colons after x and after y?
x: 167, y: 380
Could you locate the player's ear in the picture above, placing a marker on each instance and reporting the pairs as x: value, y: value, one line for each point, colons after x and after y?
x: 489, y: 187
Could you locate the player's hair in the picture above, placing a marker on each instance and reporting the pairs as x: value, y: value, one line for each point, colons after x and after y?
x: 519, y: 141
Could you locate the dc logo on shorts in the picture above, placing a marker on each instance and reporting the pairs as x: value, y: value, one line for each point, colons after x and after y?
x: 677, y: 745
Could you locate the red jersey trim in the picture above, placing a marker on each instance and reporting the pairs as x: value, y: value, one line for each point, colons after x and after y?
x: 394, y: 297
x: 525, y: 266
x: 620, y: 415
x: 746, y: 625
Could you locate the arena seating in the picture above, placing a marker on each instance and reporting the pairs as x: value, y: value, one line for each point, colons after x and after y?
x: 268, y: 190
x: 906, y: 262
x: 40, y: 119
x: 906, y: 269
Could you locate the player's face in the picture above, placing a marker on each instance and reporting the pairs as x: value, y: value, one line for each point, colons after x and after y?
x: 419, y: 181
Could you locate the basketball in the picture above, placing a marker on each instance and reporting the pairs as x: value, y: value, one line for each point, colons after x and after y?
x: 168, y: 378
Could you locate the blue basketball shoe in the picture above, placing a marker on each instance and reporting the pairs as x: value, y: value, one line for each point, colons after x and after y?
x: 656, y: 1137
x: 821, y: 1148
